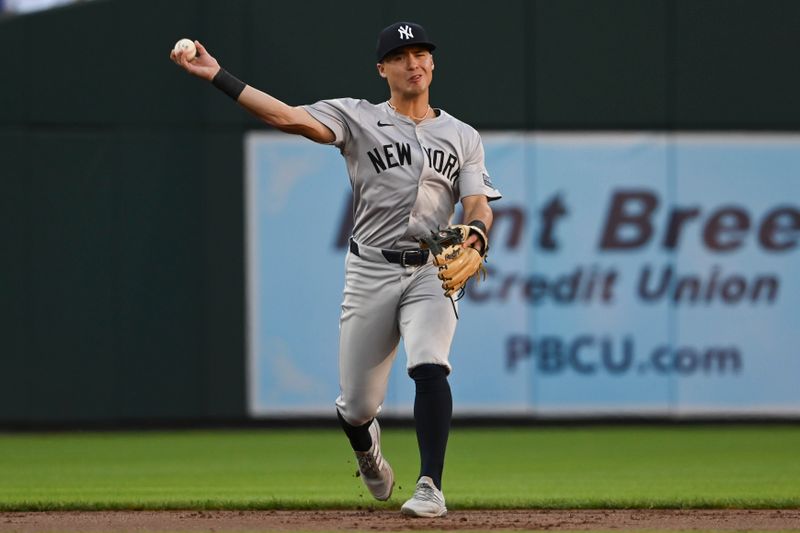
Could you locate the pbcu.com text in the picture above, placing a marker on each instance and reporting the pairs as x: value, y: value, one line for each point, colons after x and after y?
x: 590, y: 355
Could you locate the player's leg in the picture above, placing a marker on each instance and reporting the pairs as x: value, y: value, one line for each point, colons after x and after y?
x: 427, y: 324
x: 368, y: 339
x: 433, y: 409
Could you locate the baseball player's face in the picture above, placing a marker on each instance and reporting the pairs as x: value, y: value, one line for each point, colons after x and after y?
x: 409, y: 70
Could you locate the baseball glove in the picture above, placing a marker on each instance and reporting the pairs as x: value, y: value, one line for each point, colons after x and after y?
x: 456, y: 263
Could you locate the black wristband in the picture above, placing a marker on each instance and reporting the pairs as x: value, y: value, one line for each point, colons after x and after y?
x: 478, y: 224
x: 481, y: 226
x: 228, y: 83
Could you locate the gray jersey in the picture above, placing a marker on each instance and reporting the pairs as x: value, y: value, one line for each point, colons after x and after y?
x: 406, y: 177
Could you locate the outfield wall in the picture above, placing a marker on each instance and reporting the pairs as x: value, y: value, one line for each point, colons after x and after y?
x: 122, y: 201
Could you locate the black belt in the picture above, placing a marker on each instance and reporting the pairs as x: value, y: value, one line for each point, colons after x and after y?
x: 411, y: 257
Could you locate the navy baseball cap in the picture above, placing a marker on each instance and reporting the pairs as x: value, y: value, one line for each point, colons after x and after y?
x: 401, y: 34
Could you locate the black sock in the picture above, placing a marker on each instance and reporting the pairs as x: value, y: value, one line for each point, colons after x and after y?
x: 433, y: 409
x: 358, y: 435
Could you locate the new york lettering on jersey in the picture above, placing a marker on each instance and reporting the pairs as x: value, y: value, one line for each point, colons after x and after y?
x: 390, y: 156
x: 399, y: 154
x: 443, y: 163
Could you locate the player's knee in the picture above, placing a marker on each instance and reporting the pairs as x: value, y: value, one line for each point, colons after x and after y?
x: 358, y: 415
x: 429, y: 377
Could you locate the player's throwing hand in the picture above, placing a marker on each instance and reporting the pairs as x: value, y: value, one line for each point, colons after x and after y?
x: 203, y: 65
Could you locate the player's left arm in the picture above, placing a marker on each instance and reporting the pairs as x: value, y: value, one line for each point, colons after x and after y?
x: 476, y: 208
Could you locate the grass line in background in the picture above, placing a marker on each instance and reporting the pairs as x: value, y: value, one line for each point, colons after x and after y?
x: 491, y: 468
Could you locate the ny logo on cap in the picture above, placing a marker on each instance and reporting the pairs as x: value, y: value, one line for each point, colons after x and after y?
x: 405, y: 32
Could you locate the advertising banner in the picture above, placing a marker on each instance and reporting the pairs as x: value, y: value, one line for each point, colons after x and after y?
x: 633, y: 273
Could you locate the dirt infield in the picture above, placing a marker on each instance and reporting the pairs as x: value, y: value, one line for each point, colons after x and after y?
x: 220, y: 521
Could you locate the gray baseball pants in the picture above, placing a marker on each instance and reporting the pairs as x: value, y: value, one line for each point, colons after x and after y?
x: 383, y: 302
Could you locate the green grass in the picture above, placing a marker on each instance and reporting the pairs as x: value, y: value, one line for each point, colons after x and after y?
x: 608, y: 467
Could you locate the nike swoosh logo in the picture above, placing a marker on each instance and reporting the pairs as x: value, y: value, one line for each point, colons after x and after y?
x: 382, y: 125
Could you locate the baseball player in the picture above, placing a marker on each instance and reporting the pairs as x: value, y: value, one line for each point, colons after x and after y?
x: 409, y: 163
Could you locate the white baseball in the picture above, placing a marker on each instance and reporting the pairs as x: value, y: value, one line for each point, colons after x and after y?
x: 188, y: 48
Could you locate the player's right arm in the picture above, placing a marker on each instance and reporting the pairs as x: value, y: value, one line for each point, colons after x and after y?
x: 283, y: 116
x: 267, y: 108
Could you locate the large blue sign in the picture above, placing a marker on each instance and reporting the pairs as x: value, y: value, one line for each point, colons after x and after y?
x: 637, y: 273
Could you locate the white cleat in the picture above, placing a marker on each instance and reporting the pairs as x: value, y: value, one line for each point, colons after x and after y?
x: 375, y: 472
x: 427, y: 501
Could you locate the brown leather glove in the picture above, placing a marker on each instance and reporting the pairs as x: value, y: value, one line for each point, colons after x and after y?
x: 456, y: 263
